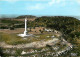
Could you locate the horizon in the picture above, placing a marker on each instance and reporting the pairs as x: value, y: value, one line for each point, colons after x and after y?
x: 14, y: 16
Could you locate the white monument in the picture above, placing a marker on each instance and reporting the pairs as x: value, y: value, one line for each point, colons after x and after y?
x: 25, y: 34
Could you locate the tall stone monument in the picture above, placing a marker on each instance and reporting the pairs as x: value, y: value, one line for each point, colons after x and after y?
x: 25, y: 34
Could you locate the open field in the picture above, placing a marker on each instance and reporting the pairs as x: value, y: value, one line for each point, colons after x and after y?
x: 14, y: 39
x: 10, y: 36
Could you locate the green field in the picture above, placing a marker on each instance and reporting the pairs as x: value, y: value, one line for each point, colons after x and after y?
x: 13, y: 39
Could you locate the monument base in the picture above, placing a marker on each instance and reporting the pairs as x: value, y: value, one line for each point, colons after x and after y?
x: 23, y: 35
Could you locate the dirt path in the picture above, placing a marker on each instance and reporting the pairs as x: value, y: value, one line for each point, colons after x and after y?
x: 37, y: 44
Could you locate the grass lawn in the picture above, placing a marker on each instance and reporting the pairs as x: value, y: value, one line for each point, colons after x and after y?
x: 13, y: 39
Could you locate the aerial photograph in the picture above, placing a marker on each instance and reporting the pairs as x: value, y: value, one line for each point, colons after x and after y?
x: 39, y: 28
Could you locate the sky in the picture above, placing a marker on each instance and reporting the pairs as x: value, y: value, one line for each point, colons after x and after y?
x: 40, y: 7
